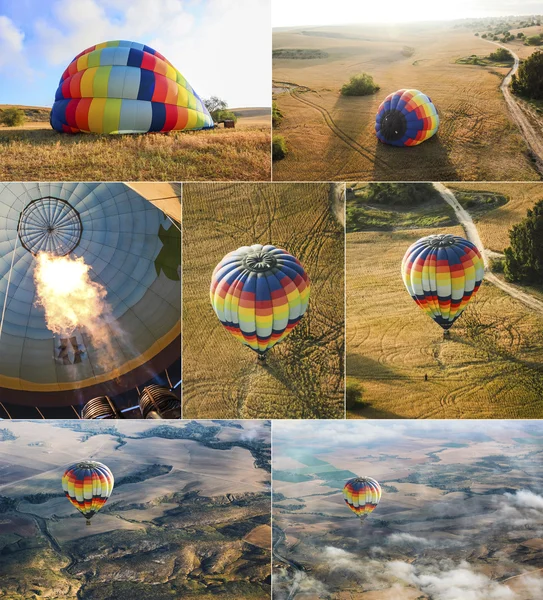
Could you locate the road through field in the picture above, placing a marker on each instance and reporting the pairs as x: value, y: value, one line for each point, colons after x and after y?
x: 521, y: 113
x: 472, y: 234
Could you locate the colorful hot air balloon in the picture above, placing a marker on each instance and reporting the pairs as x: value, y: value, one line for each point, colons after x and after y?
x: 406, y: 118
x: 259, y: 293
x: 125, y: 87
x: 87, y: 486
x: 442, y: 273
x: 362, y: 495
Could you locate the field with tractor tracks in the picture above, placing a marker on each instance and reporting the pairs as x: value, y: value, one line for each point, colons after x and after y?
x: 490, y: 367
x: 302, y: 377
x: 331, y: 137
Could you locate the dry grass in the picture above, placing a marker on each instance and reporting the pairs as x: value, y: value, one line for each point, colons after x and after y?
x: 494, y: 225
x: 35, y: 152
x: 302, y: 376
x: 489, y: 368
x: 331, y: 137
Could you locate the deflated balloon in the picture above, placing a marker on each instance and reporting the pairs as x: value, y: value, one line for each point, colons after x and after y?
x: 406, y: 118
x: 362, y: 495
x: 259, y: 293
x: 87, y: 486
x: 125, y: 87
x: 442, y: 273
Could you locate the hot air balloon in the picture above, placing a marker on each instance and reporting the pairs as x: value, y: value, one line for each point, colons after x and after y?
x: 125, y: 87
x: 133, y: 250
x: 362, y: 495
x: 406, y: 118
x: 88, y: 485
x: 442, y: 273
x: 259, y: 293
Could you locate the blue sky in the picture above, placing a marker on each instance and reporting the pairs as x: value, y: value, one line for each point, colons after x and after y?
x: 222, y: 47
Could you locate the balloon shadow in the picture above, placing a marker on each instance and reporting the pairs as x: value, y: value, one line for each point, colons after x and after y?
x: 429, y: 161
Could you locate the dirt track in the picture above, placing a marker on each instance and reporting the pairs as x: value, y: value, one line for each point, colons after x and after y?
x: 472, y: 234
x: 522, y: 113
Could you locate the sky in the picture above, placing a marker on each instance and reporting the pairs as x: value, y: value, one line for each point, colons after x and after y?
x: 289, y: 13
x: 222, y: 47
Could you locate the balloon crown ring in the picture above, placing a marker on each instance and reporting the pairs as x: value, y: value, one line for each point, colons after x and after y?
x: 259, y: 261
x: 441, y: 240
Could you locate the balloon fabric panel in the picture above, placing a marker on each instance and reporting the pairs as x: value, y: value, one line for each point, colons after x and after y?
x: 88, y: 485
x: 259, y: 293
x: 406, y: 118
x: 442, y: 273
x: 125, y: 87
x: 362, y: 495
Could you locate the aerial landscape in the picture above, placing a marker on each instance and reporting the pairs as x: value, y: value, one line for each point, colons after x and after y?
x: 399, y: 362
x: 99, y: 92
x: 188, y: 515
x: 460, y: 516
x: 324, y: 125
x: 300, y: 377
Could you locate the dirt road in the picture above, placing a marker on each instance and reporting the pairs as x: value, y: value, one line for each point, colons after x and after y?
x: 464, y: 218
x: 522, y: 113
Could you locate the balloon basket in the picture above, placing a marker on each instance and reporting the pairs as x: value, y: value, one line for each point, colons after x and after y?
x: 88, y: 523
x: 261, y: 358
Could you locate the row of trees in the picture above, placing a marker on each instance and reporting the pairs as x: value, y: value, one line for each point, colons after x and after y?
x: 528, y: 81
x: 524, y: 258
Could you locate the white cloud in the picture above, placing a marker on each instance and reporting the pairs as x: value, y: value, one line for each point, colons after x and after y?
x: 226, y: 53
x: 526, y: 499
x: 11, y: 41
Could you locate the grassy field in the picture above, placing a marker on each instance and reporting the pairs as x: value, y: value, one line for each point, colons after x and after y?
x: 35, y: 152
x: 302, y: 376
x: 330, y: 137
x: 491, y: 365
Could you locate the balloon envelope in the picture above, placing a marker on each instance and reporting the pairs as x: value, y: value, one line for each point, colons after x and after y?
x: 88, y: 485
x: 133, y: 251
x: 442, y: 273
x: 125, y: 87
x: 362, y: 495
x: 259, y: 293
x: 406, y: 118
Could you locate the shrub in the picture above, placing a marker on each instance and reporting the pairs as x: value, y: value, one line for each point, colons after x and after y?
x: 399, y: 194
x: 497, y: 265
x: 528, y: 81
x: 12, y: 117
x: 360, y: 85
x: 277, y: 115
x: 279, y: 147
x: 534, y: 40
x: 353, y: 395
x: 224, y: 115
x: 501, y: 55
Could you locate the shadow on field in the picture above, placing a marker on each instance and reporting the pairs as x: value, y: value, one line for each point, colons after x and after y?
x: 370, y: 412
x: 414, y: 163
x: 367, y: 368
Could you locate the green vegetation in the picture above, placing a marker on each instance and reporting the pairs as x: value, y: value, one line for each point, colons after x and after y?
x: 366, y: 207
x: 528, y: 81
x: 279, y: 147
x: 397, y: 194
x: 12, y: 117
x: 524, y: 258
x: 277, y: 115
x: 290, y: 476
x: 298, y: 53
x: 360, y: 85
x: 534, y: 40
x: 353, y: 395
x: 7, y: 504
x: 501, y: 55
x: 480, y: 202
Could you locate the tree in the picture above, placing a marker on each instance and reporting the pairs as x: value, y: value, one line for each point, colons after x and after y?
x: 360, y: 85
x: 12, y: 117
x: 277, y: 115
x: 524, y: 258
x: 528, y: 81
x: 501, y: 55
x: 354, y: 395
x: 215, y: 105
